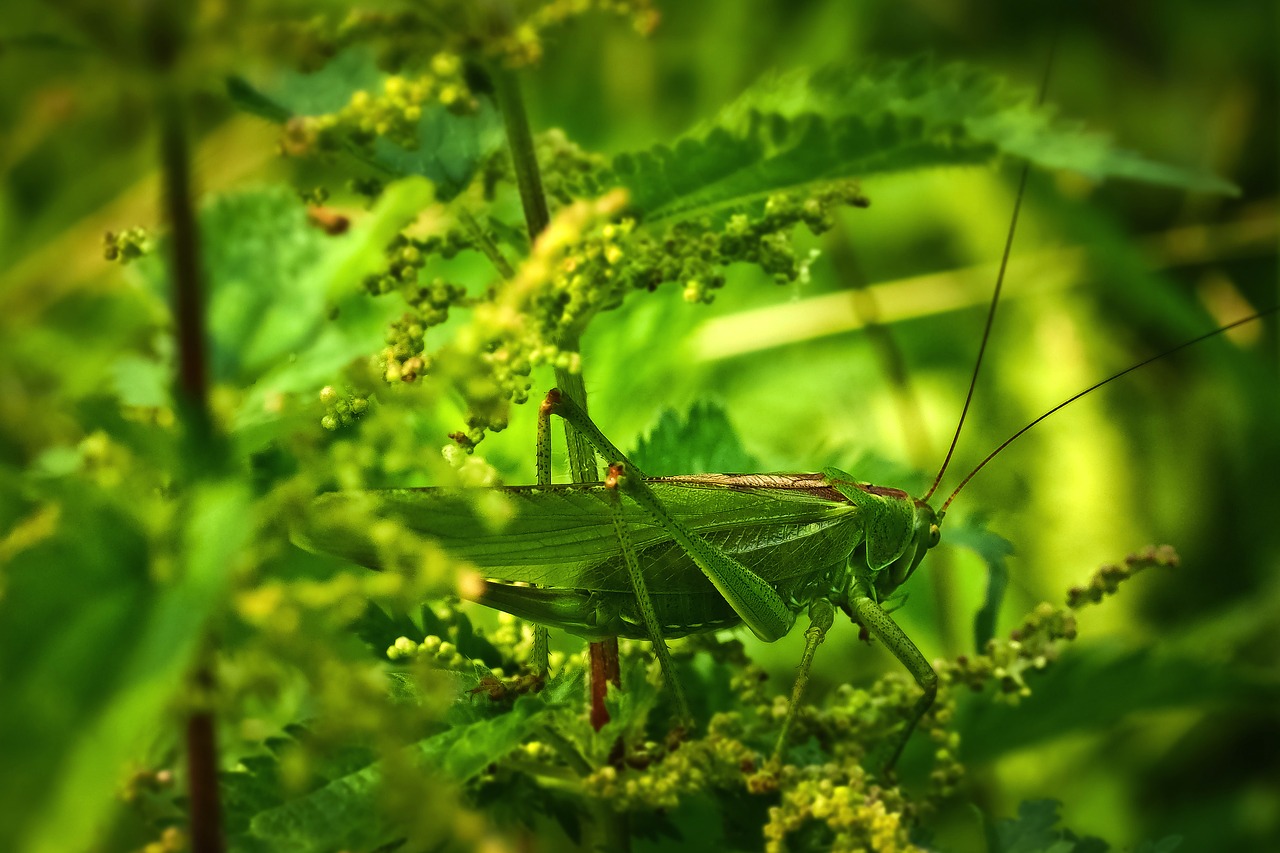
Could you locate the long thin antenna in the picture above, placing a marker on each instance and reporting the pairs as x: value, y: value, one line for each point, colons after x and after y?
x: 995, y: 296
x: 1011, y: 439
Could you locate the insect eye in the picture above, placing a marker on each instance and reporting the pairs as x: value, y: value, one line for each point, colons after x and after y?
x: 935, y: 535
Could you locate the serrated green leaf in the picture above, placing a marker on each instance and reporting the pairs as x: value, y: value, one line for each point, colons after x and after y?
x: 347, y: 813
x: 703, y: 442
x: 628, y: 709
x: 286, y: 307
x: 258, y: 255
x: 298, y: 346
x: 1033, y: 831
x: 379, y: 629
x: 1119, y: 681
x: 853, y: 121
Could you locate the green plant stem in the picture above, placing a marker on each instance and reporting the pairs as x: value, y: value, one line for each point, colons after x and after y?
x: 520, y: 140
x: 487, y: 246
x: 536, y: 216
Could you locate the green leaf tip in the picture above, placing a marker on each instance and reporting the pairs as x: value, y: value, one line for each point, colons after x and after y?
x: 848, y: 121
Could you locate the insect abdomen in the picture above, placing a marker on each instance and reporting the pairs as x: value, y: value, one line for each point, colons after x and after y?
x: 595, y: 615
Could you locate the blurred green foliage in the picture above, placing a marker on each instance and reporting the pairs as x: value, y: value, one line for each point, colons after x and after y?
x: 116, y: 571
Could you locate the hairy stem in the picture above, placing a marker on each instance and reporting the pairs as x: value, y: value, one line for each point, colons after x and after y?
x: 520, y: 139
x: 487, y: 246
x: 536, y: 216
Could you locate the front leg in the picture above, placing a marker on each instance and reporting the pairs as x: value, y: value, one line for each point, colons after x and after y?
x: 644, y: 602
x: 872, y: 617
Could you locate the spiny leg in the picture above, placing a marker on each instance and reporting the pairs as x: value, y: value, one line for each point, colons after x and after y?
x: 558, y: 404
x: 647, y: 614
x: 751, y: 597
x: 821, y: 615
x: 541, y: 644
x: 603, y: 655
x: 878, y: 623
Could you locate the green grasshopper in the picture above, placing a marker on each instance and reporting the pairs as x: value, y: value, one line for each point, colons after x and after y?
x: 654, y: 558
x: 680, y: 555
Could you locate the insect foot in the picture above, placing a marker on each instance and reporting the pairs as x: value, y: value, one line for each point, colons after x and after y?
x: 506, y: 690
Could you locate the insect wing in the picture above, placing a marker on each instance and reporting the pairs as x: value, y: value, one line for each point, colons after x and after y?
x: 563, y: 536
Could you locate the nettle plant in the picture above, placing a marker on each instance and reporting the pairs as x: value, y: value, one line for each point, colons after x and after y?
x: 463, y: 258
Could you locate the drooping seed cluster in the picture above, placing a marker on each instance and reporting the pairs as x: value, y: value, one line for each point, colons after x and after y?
x: 125, y: 246
x: 1107, y: 580
x: 513, y: 639
x: 341, y: 410
x: 859, y: 814
x: 425, y: 62
x: 592, y: 255
x: 393, y: 113
x: 1029, y: 648
x: 715, y: 760
x: 511, y: 34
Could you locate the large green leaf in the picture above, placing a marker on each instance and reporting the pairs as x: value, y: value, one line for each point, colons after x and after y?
x: 286, y: 307
x: 348, y: 813
x: 295, y: 343
x: 848, y: 121
x: 994, y: 550
x: 1118, y: 681
x: 92, y: 651
x: 1035, y: 830
x: 704, y: 442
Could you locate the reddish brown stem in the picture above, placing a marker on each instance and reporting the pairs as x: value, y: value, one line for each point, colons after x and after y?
x: 192, y: 394
x: 605, y: 670
x: 202, y: 775
x: 599, y: 684
x: 612, y: 668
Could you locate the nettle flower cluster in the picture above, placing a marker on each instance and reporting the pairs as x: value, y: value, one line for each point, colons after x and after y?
x: 393, y: 113
x: 592, y: 255
x: 341, y: 410
x: 568, y: 172
x: 127, y: 245
x: 513, y: 637
x: 427, y: 60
